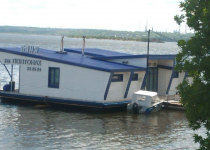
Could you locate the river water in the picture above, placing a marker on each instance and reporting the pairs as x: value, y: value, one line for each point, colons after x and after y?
x: 28, y: 127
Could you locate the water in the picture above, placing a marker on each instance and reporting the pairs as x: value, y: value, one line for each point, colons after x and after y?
x: 27, y: 127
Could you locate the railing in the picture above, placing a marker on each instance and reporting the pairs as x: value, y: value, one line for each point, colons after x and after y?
x: 175, y: 97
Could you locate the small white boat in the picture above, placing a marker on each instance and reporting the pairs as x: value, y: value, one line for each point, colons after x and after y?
x: 144, y: 102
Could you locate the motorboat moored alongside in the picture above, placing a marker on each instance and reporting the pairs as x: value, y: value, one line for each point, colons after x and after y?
x: 144, y: 102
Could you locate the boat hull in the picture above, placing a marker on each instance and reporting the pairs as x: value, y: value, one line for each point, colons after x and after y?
x: 51, y: 100
x: 153, y: 108
x: 146, y: 110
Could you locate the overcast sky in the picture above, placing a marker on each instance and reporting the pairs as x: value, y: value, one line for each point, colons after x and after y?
x: 129, y: 15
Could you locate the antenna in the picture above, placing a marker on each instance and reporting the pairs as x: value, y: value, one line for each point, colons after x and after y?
x: 146, y: 27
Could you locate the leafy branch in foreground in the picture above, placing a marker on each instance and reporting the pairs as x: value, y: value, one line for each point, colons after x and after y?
x: 194, y: 58
x: 179, y: 20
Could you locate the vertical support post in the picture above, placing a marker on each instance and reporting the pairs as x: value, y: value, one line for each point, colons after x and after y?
x: 147, y: 70
x: 19, y: 79
x: 83, y: 46
x: 108, y: 85
x: 128, y: 85
x: 170, y: 81
x: 7, y: 70
x: 11, y: 84
x: 148, y: 48
x: 143, y: 85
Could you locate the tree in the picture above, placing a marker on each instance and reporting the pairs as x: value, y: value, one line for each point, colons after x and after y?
x: 179, y: 20
x: 194, y: 58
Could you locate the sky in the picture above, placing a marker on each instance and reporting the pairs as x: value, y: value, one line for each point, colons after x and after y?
x: 123, y: 15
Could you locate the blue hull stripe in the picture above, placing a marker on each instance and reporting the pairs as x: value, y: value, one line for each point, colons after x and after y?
x: 172, y: 74
x: 108, y: 85
x: 63, y: 101
x: 128, y: 85
x: 144, y: 81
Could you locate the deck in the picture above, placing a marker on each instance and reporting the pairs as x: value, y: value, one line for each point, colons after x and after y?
x: 172, y: 102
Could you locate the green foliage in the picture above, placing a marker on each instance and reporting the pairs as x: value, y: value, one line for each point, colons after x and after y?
x: 179, y: 20
x: 194, y: 58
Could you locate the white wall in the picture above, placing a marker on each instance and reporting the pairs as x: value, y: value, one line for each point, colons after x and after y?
x: 136, y: 85
x: 165, y: 62
x: 164, y: 76
x: 175, y: 82
x: 190, y: 79
x: 117, y: 89
x: 140, y: 62
x: 76, y: 83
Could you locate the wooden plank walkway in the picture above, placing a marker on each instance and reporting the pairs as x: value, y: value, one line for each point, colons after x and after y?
x: 171, y: 104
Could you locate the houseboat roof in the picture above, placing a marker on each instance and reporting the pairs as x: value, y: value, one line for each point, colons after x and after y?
x: 103, y: 54
x: 74, y: 59
x: 96, y: 52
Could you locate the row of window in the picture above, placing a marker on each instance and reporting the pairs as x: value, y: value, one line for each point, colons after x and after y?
x: 176, y: 74
x: 54, y: 77
x: 119, y: 77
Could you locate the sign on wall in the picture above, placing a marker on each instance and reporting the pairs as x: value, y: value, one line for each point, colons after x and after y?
x: 32, y: 65
x: 30, y: 49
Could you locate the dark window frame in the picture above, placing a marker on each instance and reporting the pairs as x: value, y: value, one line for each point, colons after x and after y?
x: 53, y: 85
x: 176, y: 74
x: 120, y: 78
x: 135, y: 77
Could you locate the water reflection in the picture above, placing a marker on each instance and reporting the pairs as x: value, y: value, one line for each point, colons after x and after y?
x: 51, y: 128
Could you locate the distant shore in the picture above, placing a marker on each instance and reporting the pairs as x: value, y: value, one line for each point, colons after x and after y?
x: 158, y: 37
x: 121, y: 39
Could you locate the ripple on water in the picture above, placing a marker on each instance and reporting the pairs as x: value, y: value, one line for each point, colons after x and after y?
x: 27, y: 127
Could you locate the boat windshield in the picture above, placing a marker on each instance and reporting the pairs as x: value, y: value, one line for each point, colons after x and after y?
x: 141, y: 97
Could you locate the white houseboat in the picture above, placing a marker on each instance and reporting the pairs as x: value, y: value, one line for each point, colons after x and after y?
x: 94, y: 77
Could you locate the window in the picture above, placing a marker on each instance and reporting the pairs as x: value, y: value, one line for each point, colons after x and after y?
x: 54, y: 77
x: 141, y: 98
x: 176, y: 74
x: 117, y: 77
x: 135, y: 77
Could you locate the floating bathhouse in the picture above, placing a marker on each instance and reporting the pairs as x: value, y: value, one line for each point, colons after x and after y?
x: 94, y: 77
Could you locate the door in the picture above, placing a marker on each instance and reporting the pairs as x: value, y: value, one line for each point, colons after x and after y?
x: 152, y: 79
